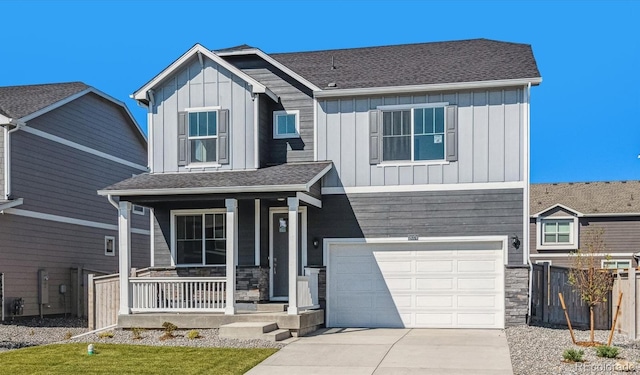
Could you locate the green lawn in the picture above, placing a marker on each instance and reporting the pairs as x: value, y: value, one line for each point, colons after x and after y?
x: 130, y: 359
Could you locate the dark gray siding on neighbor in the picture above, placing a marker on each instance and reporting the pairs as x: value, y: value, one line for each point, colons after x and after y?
x: 428, y: 214
x: 162, y: 229
x: 293, y: 96
x: 621, y: 235
x: 1, y: 163
x: 97, y: 123
x: 28, y: 245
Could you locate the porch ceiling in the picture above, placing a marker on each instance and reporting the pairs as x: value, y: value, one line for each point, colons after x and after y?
x: 291, y: 177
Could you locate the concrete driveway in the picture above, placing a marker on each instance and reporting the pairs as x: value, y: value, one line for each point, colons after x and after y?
x: 392, y: 351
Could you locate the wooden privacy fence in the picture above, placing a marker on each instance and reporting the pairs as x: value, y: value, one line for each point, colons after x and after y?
x: 547, y: 282
x: 628, y: 282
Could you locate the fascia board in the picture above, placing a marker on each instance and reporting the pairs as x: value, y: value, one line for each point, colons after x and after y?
x: 257, y: 87
x: 428, y: 87
x: 210, y: 190
x: 558, y: 205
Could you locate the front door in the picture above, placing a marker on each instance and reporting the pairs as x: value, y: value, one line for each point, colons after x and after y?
x: 279, y: 252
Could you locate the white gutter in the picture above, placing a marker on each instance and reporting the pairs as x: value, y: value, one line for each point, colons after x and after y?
x: 7, y: 155
x: 113, y: 203
x: 207, y: 190
x: 429, y: 87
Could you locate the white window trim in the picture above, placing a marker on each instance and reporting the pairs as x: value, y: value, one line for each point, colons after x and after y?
x: 138, y: 210
x: 275, y: 124
x: 197, y: 164
x: 412, y: 107
x: 106, y: 240
x: 602, y: 262
x: 544, y: 261
x: 573, y: 233
x: 175, y: 213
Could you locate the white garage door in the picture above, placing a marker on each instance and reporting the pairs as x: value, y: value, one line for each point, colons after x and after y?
x: 416, y: 284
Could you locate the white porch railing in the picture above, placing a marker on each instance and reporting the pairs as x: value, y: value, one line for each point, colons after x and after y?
x: 178, y: 294
x: 308, y: 289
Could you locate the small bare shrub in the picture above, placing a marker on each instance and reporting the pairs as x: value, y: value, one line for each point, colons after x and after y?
x: 106, y: 335
x: 193, y: 334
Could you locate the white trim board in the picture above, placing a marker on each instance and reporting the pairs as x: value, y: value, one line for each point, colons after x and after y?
x: 80, y: 147
x: 557, y: 205
x: 10, y: 204
x: 425, y: 187
x: 70, y: 220
x: 569, y: 254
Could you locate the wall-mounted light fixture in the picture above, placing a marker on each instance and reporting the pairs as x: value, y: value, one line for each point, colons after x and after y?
x: 316, y: 243
x: 515, y: 241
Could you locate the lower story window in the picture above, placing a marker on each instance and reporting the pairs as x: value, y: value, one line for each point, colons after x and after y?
x: 200, y: 239
x: 616, y: 264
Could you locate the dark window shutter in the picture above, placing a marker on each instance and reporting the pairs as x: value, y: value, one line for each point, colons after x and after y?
x: 452, y: 133
x: 183, y: 142
x: 223, y: 136
x: 375, y: 137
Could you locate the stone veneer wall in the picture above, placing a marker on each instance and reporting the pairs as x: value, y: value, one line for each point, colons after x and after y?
x: 516, y: 295
x: 252, y: 282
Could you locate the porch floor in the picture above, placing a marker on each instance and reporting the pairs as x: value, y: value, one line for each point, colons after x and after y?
x: 299, y: 325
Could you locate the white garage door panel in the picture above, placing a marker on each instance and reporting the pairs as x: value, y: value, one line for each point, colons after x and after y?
x: 415, y: 284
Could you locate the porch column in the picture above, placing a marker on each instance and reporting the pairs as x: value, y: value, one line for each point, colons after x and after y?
x: 232, y: 254
x: 124, y: 255
x: 294, y: 204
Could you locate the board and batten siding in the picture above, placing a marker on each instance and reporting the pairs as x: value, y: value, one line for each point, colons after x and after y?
x: 427, y: 214
x: 490, y: 138
x: 30, y: 244
x: 197, y: 86
x: 293, y: 96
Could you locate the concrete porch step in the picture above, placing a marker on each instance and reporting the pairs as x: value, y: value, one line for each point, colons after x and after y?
x: 277, y: 335
x: 271, y: 307
x: 254, y: 330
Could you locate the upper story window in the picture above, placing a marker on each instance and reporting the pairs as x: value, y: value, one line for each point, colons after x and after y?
x: 203, y: 136
x: 557, y: 233
x: 413, y: 133
x: 286, y: 124
x: 200, y: 237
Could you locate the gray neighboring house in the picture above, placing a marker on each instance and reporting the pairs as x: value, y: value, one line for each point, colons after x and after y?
x: 563, y: 213
x: 59, y: 143
x: 386, y: 185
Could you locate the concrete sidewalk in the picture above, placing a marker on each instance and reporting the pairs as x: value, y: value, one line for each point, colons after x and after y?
x: 392, y: 351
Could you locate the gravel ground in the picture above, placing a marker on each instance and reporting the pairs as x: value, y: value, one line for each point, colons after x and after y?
x: 47, y: 331
x: 538, y: 351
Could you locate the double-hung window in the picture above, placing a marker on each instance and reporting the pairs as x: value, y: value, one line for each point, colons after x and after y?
x: 555, y: 232
x: 413, y: 133
x: 203, y: 136
x: 200, y: 238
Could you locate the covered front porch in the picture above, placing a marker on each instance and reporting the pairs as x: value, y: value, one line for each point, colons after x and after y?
x: 224, y: 254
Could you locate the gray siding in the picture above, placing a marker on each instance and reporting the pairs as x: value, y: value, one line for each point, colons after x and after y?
x: 196, y: 86
x: 97, y: 123
x: 32, y: 244
x: 490, y: 130
x: 428, y: 214
x: 293, y: 96
x: 2, y: 163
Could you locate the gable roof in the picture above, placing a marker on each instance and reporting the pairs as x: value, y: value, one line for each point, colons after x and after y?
x: 141, y: 94
x: 19, y: 101
x: 589, y: 198
x: 415, y: 64
x: 284, y: 177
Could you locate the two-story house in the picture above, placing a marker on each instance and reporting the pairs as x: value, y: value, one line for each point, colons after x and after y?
x: 388, y: 185
x: 59, y: 143
x: 563, y: 216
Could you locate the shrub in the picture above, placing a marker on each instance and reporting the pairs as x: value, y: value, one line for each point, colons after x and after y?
x: 68, y: 335
x: 607, y: 351
x: 193, y: 334
x: 137, y: 333
x: 106, y: 335
x: 572, y: 355
x: 169, y: 328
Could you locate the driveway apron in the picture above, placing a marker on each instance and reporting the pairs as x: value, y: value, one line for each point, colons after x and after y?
x: 392, y: 351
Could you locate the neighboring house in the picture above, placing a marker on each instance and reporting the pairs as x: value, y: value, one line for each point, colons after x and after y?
x: 396, y: 175
x: 59, y: 143
x: 562, y: 214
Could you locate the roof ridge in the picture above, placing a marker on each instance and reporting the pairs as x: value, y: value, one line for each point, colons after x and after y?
x: 46, y: 84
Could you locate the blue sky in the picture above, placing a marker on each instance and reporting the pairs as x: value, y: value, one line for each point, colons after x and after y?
x: 584, y: 117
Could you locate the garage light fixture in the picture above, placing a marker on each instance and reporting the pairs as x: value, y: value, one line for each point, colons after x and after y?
x: 515, y: 241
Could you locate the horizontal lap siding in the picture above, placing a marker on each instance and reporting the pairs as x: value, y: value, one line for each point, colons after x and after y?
x: 293, y: 96
x: 32, y: 244
x: 198, y: 86
x: 490, y: 139
x: 2, y: 163
x: 96, y: 123
x: 427, y: 214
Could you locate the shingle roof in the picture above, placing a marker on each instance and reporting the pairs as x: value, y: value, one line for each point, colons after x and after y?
x: 285, y: 174
x: 587, y: 197
x: 414, y: 64
x: 20, y: 101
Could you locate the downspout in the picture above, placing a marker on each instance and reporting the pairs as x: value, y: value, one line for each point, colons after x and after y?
x: 113, y: 203
x: 7, y: 155
x: 527, y: 237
